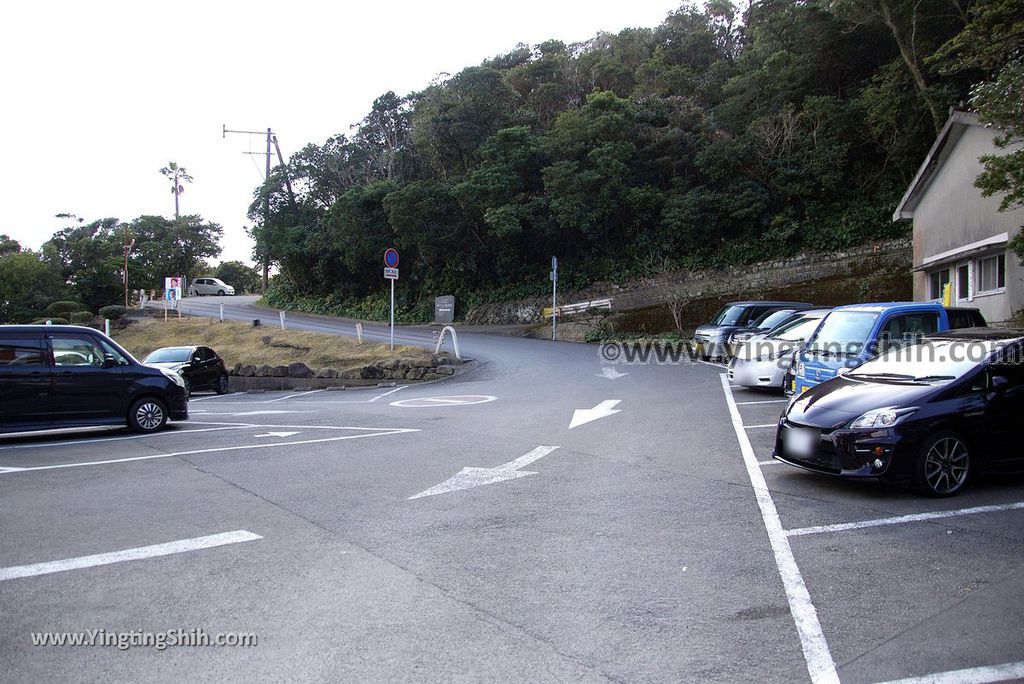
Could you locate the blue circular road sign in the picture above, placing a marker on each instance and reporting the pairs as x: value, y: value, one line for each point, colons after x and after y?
x: 391, y: 258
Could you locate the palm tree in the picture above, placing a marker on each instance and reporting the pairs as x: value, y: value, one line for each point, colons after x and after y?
x: 178, y: 175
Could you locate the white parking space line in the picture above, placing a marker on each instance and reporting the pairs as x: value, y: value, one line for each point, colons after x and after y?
x: 973, y: 675
x: 766, y: 425
x: 761, y: 401
x: 163, y: 433
x: 368, y: 432
x: 292, y: 396
x: 719, y: 366
x: 137, y: 553
x: 768, y: 462
x: 215, y: 396
x: 902, y: 519
x: 820, y: 665
x: 387, y: 394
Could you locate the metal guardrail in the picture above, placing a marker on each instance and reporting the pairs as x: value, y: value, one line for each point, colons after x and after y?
x: 455, y: 340
x: 579, y: 307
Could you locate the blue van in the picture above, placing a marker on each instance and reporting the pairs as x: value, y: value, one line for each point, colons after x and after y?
x: 850, y: 335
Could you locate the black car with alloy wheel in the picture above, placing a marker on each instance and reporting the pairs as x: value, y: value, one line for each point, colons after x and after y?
x: 200, y: 367
x: 930, y: 414
x: 61, y: 376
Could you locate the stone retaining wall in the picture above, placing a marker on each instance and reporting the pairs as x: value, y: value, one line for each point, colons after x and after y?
x: 404, y: 370
x: 751, y: 281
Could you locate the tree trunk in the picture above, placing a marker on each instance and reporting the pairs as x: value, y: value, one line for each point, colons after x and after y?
x: 909, y: 58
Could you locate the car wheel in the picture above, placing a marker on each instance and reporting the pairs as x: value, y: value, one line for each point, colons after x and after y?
x: 220, y: 293
x: 943, y: 465
x: 222, y: 385
x: 147, y: 415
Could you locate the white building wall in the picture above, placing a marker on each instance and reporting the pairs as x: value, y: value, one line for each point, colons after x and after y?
x: 952, y: 213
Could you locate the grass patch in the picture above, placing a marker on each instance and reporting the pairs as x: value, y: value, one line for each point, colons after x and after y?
x: 242, y: 343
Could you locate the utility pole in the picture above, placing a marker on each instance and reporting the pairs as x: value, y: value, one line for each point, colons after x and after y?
x: 128, y: 247
x: 271, y: 140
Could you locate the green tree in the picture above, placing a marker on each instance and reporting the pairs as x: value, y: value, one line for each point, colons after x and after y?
x: 917, y: 28
x: 168, y: 248
x: 27, y: 285
x: 245, y: 279
x: 9, y: 245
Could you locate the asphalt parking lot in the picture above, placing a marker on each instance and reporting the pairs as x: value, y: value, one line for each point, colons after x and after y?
x: 538, y: 518
x: 899, y: 584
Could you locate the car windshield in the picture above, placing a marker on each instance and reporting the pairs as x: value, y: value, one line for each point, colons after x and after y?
x: 169, y: 355
x: 939, y: 361
x: 799, y: 329
x: 773, y: 319
x: 729, y: 315
x: 843, y: 333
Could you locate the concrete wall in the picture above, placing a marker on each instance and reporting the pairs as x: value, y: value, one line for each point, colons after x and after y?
x: 952, y: 213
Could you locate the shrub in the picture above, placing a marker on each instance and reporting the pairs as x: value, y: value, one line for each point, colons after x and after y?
x: 53, y: 319
x: 113, y: 312
x: 80, y: 317
x: 64, y: 307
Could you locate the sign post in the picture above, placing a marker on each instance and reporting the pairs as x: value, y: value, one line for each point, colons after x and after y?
x: 391, y: 273
x: 554, y: 297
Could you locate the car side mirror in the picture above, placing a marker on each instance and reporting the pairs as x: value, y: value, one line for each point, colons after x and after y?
x: 1000, y: 384
x: 109, y: 361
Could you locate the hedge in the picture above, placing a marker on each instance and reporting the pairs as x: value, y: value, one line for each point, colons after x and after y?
x: 113, y: 312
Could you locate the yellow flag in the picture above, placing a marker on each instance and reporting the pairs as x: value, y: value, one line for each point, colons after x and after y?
x: 947, y: 294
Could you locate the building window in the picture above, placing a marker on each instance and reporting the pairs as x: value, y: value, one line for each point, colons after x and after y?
x: 992, y: 274
x: 938, y: 280
x: 963, y: 279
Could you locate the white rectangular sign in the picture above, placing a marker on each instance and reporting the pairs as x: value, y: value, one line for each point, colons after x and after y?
x: 172, y: 288
x: 391, y: 273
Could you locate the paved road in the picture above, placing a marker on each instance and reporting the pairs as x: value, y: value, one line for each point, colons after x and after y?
x: 651, y: 544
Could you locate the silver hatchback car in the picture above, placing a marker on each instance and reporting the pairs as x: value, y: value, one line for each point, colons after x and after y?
x: 210, y: 286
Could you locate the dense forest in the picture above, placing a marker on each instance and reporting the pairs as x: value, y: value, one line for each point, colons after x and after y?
x: 720, y: 136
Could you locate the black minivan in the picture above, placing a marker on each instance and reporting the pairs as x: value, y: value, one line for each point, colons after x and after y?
x: 59, y: 376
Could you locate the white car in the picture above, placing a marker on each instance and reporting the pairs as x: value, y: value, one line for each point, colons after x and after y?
x: 210, y: 286
x: 764, y: 360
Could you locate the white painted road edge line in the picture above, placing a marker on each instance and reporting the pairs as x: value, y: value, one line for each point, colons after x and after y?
x: 291, y: 396
x: 766, y: 425
x: 167, y: 549
x: 973, y: 675
x: 820, y: 665
x: 900, y: 519
x: 761, y: 401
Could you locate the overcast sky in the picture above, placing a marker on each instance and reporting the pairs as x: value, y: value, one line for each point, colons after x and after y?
x: 98, y: 96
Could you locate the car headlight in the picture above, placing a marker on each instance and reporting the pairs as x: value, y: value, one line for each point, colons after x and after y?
x: 883, y: 417
x: 174, y: 376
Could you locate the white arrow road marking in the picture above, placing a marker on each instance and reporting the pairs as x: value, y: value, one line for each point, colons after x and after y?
x: 475, y: 477
x: 603, y: 410
x: 278, y: 434
x: 611, y: 373
x: 180, y: 546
